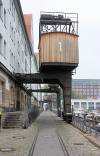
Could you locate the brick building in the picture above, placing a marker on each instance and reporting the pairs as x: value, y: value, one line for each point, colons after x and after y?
x: 85, y: 88
x: 86, y: 94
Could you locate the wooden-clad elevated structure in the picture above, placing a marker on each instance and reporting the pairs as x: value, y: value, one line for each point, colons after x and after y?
x: 58, y: 44
x: 58, y: 48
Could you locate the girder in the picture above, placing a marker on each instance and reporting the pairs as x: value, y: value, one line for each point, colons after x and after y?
x: 49, y: 90
x: 40, y: 78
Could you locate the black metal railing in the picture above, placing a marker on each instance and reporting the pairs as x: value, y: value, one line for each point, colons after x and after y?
x: 58, y: 22
x: 86, y: 125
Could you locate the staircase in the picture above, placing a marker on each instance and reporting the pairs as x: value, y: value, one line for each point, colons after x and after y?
x: 15, y: 120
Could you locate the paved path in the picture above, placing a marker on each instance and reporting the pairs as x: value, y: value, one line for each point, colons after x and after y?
x: 19, y: 140
x: 55, y: 138
x: 48, y: 144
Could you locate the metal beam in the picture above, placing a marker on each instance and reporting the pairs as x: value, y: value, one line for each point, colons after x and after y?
x: 49, y: 90
x: 40, y: 78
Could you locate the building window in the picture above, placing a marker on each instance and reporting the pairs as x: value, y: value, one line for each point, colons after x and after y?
x: 18, y: 67
x: 12, y: 7
x: 12, y: 33
x: 19, y: 26
x: 25, y: 49
x: 14, y: 13
x: 12, y: 60
x: 22, y: 56
x: 18, y: 48
x: 10, y: 4
x: 4, y: 48
x: 1, y: 9
x: 25, y: 65
x: 91, y: 105
x: 98, y: 105
x: 84, y: 105
x: 14, y: 37
x: 76, y: 105
x: 5, y: 18
x: 0, y: 44
x: 10, y: 29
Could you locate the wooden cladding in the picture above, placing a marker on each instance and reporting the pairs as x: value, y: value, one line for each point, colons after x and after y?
x: 58, y: 47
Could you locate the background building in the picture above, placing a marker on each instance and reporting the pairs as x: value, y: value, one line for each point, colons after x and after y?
x: 86, y: 104
x: 29, y: 26
x: 86, y: 94
x: 34, y: 61
x: 85, y: 88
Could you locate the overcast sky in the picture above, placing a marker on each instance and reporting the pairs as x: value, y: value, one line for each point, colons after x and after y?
x: 89, y: 29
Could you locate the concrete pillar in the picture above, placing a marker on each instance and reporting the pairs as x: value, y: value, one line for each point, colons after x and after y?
x: 67, y: 83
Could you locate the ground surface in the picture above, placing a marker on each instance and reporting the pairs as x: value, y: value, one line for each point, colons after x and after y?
x: 48, y: 143
x: 54, y: 138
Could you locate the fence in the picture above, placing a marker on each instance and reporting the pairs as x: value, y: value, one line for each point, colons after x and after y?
x: 86, y: 125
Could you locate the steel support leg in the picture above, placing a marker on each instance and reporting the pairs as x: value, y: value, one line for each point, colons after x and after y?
x: 58, y: 104
x: 67, y: 82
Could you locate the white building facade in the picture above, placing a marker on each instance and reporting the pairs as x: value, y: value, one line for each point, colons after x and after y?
x: 86, y: 104
x: 16, y: 53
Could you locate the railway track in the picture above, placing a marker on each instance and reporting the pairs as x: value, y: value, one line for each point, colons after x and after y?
x: 61, y: 142
x: 31, y: 151
x: 53, y: 139
x: 64, y: 149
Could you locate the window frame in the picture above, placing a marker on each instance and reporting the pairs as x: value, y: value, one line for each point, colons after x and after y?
x: 5, y: 18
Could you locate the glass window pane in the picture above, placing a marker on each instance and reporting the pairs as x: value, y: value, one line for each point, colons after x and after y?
x: 84, y: 105
x: 97, y: 105
x: 91, y: 105
x: 76, y: 104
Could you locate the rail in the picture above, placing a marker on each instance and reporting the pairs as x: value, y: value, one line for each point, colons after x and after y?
x: 63, y: 146
x: 31, y: 151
